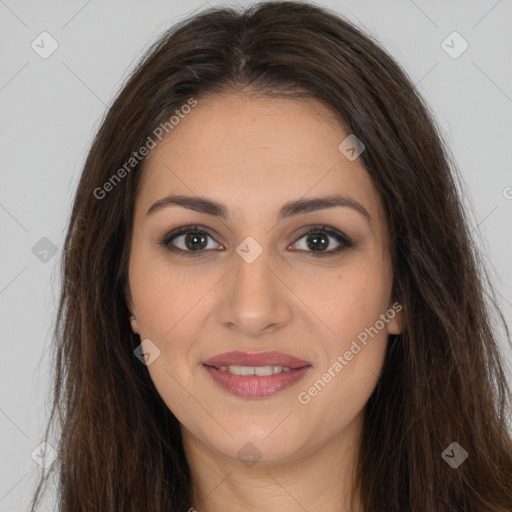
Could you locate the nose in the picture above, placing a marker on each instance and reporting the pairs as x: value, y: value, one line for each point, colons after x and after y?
x: 256, y: 301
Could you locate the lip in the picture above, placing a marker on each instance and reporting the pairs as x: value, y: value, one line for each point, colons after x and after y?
x: 256, y: 359
x: 254, y: 386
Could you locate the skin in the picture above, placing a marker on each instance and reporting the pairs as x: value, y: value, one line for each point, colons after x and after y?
x: 254, y: 155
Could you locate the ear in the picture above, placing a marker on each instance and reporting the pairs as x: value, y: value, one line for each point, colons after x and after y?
x: 396, y: 315
x: 129, y: 303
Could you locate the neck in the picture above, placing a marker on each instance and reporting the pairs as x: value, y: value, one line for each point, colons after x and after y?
x: 321, y: 477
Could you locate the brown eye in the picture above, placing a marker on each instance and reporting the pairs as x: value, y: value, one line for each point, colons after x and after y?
x: 318, y: 240
x: 195, y: 241
x: 189, y: 241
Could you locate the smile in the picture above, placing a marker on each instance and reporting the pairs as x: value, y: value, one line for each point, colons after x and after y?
x: 260, y: 371
x: 255, y: 382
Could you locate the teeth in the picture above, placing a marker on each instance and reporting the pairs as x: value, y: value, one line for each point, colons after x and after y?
x: 260, y: 371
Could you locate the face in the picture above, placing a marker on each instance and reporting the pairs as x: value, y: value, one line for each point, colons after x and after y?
x: 307, y: 280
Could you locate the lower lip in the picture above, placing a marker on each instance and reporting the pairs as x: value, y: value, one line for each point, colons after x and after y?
x: 254, y: 386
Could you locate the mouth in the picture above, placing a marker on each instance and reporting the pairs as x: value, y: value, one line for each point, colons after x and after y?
x: 256, y: 375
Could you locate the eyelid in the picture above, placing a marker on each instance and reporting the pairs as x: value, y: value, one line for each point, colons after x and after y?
x: 165, y: 241
x: 336, y: 233
x: 344, y: 241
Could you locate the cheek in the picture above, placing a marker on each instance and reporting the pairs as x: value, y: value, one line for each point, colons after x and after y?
x: 343, y: 382
x: 172, y: 305
x: 354, y: 345
x: 167, y: 305
x: 351, y: 299
x: 163, y: 296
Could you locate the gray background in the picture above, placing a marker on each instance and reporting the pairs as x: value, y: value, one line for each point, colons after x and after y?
x: 50, y: 109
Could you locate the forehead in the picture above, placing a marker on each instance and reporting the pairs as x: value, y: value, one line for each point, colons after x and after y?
x: 251, y: 152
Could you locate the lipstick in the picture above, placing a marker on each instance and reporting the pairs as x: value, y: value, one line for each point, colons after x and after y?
x: 256, y: 375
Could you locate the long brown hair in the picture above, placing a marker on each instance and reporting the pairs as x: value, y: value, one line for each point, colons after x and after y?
x: 120, y: 446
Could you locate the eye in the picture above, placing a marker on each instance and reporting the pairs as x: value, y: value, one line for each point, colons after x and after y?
x: 188, y: 241
x: 195, y: 241
x: 318, y: 239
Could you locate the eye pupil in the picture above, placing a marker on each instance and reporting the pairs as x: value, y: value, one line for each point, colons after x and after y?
x: 318, y: 240
x: 194, y: 241
x: 195, y: 238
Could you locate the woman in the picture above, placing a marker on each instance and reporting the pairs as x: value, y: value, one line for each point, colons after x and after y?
x: 271, y: 300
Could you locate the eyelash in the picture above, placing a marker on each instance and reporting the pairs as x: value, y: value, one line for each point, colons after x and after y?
x: 344, y: 241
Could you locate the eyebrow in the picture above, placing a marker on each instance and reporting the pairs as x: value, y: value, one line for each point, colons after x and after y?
x: 292, y: 208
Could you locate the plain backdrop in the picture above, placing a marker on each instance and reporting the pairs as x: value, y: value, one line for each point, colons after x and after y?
x: 51, y: 107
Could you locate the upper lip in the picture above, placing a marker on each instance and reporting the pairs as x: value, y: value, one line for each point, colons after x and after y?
x: 256, y: 359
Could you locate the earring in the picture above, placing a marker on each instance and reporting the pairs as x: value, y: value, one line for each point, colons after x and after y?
x: 132, y: 317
